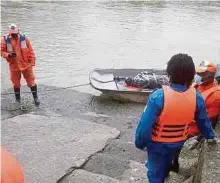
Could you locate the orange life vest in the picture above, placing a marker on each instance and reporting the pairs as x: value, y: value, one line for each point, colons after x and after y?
x: 211, y: 112
x: 206, y: 94
x: 23, y: 45
x: 178, y: 111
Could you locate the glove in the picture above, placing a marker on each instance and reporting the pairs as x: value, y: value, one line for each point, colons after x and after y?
x: 12, y: 54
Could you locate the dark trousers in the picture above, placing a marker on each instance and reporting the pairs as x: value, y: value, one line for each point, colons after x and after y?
x: 158, y: 163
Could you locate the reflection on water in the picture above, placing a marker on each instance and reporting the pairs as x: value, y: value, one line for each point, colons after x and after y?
x: 72, y: 38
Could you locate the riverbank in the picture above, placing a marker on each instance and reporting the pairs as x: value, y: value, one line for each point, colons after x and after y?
x: 77, y: 137
x: 52, y: 132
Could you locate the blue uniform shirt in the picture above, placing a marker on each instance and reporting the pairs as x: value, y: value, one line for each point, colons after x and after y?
x: 153, y: 110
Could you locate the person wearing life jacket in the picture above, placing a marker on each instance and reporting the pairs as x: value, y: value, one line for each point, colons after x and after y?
x: 11, y: 171
x: 205, y: 83
x: 17, y: 50
x: 164, y: 124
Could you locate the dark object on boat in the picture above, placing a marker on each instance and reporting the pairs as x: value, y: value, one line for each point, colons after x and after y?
x: 112, y: 82
x: 119, y: 83
x: 147, y: 80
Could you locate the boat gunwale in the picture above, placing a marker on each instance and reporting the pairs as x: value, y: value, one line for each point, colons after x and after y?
x: 141, y: 92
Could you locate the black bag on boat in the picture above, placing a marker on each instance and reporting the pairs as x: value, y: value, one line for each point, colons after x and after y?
x: 147, y: 80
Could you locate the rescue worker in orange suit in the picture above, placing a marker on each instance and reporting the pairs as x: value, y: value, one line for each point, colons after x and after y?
x: 204, y: 83
x: 18, y: 52
x: 163, y: 127
x: 11, y: 172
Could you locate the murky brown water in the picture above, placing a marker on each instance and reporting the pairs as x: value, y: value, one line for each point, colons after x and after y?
x: 72, y: 38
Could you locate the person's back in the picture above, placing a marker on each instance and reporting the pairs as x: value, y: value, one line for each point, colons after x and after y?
x: 172, y: 125
x: 163, y: 127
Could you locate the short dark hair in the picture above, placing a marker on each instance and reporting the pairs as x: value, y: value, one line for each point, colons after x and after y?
x: 181, y: 69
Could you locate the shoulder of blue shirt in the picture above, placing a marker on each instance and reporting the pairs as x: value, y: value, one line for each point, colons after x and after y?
x: 157, y: 96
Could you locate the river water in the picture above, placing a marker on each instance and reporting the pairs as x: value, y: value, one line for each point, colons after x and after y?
x: 72, y: 38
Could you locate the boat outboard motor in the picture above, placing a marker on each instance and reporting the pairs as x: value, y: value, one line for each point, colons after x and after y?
x: 217, y: 75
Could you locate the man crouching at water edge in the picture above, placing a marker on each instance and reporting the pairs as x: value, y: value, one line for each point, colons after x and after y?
x: 163, y: 127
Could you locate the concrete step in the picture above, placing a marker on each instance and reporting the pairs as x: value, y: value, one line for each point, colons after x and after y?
x: 107, y: 164
x: 125, y: 150
x: 117, y: 168
x: 122, y: 161
x: 57, y: 141
x: 136, y: 173
x: 129, y: 171
x: 82, y: 176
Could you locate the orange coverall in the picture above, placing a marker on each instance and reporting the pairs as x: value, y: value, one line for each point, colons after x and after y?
x: 213, y: 101
x: 212, y: 106
x: 17, y: 64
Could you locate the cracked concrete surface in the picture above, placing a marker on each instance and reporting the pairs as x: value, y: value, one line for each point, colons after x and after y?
x: 82, y: 176
x: 49, y: 146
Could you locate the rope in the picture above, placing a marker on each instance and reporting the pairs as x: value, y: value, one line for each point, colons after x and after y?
x: 16, y: 109
x: 63, y: 88
x: 24, y: 109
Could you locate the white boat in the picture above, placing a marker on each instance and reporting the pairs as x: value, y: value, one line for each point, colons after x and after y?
x: 111, y: 82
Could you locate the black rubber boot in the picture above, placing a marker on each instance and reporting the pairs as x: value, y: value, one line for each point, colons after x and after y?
x: 167, y: 173
x: 175, y: 163
x: 17, y: 95
x: 34, y: 93
x: 175, y: 167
